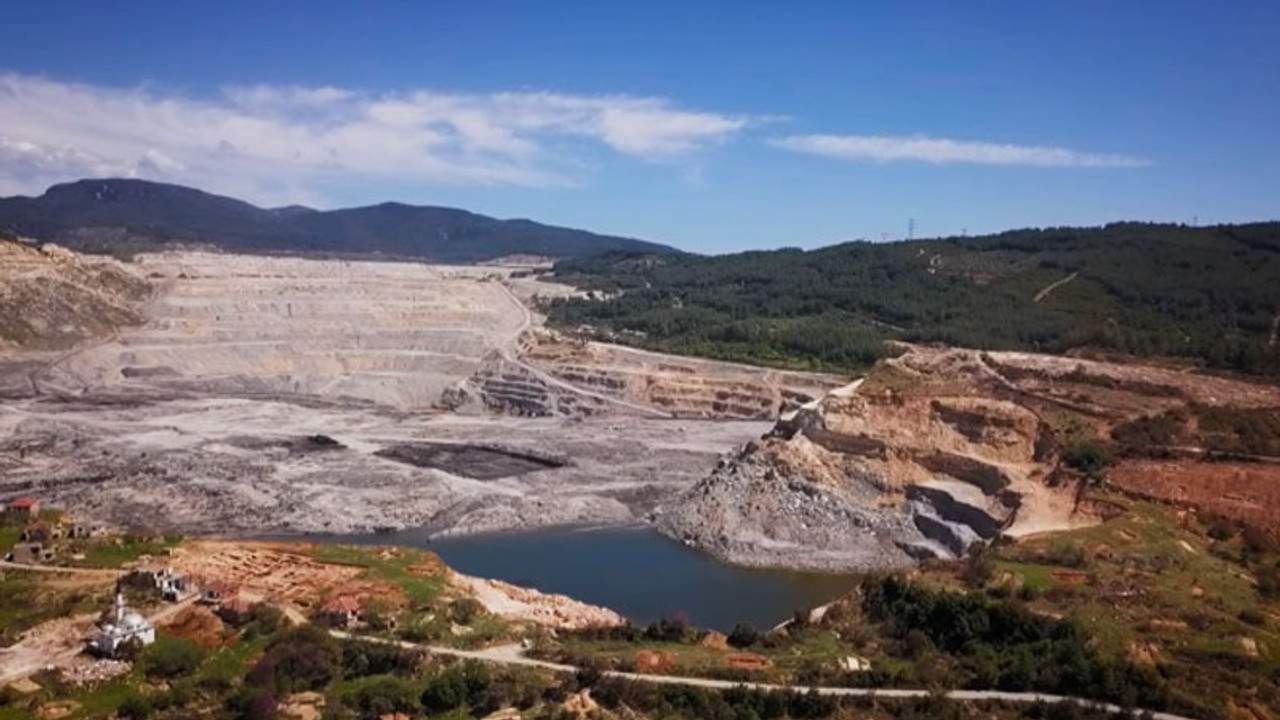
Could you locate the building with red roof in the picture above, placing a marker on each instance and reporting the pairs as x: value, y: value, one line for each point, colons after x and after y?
x: 24, y: 508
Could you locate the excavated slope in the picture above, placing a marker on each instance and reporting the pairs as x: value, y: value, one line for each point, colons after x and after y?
x: 52, y: 299
x: 874, y: 476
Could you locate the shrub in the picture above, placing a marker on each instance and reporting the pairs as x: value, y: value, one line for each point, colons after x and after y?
x: 672, y: 628
x: 385, y: 695
x: 456, y: 686
x: 170, y: 657
x: 465, y: 610
x: 361, y: 658
x: 304, y: 658
x: 1252, y: 617
x: 1087, y: 455
x: 134, y: 706
x: 744, y: 635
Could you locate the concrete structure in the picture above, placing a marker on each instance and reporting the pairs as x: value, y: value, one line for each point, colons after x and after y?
x: 172, y: 586
x: 123, y: 628
x: 83, y: 529
x: 853, y: 663
x: 30, y: 553
x: 214, y: 592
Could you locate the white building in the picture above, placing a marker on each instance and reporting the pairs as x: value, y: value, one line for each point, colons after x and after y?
x: 124, y: 626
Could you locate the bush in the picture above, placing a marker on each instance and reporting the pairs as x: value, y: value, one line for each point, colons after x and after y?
x: 672, y: 628
x: 1252, y: 617
x: 170, y: 657
x: 134, y: 707
x: 1087, y: 455
x: 980, y: 565
x: 744, y: 635
x: 456, y: 686
x: 263, y: 621
x: 465, y: 610
x: 385, y: 695
x: 305, y: 658
x: 361, y: 658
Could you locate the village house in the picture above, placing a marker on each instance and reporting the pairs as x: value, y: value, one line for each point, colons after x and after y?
x: 30, y: 553
x: 23, y: 509
x: 84, y: 529
x: 342, y: 611
x: 213, y: 592
x: 172, y: 586
x: 43, y: 532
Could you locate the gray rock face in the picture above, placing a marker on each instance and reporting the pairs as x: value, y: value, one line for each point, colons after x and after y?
x: 745, y: 513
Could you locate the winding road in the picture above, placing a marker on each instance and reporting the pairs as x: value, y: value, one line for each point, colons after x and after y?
x: 514, y: 655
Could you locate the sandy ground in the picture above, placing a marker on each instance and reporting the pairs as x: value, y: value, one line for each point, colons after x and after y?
x: 226, y: 465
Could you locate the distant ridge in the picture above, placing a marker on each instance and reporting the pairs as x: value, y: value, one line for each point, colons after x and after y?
x: 121, y: 216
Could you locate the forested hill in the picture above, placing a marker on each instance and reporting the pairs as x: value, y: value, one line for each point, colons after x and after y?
x: 1210, y: 295
x: 123, y: 216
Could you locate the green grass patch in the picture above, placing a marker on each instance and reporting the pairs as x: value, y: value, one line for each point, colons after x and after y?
x: 403, y: 567
x: 113, y: 552
x: 1036, y: 577
x: 9, y: 536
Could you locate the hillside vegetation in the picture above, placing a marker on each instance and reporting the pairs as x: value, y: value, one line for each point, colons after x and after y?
x: 127, y: 216
x: 1210, y: 296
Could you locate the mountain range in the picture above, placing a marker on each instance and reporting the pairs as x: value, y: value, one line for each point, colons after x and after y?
x: 124, y: 215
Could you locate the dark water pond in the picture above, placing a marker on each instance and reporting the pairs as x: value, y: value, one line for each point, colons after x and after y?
x: 636, y: 572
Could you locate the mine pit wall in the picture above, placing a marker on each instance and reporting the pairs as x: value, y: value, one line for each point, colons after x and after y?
x: 970, y: 423
x: 860, y: 445
x: 988, y: 478
x: 983, y: 522
x: 949, y: 535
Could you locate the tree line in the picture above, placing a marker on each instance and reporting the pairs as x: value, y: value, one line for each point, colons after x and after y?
x: 1205, y: 295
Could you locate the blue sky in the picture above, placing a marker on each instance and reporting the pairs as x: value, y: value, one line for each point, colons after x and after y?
x: 714, y: 126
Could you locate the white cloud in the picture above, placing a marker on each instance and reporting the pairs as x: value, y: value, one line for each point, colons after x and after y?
x: 277, y: 144
x: 889, y: 148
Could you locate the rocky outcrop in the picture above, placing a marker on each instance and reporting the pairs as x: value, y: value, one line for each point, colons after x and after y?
x: 523, y: 604
x: 676, y: 386
x: 878, y: 474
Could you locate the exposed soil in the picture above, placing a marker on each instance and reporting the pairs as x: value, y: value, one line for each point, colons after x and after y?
x: 1245, y: 492
x: 941, y: 448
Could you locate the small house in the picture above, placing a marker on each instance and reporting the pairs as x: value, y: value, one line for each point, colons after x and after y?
x: 83, y: 529
x: 213, y: 592
x: 43, y: 532
x: 172, y: 586
x: 30, y: 553
x: 24, y: 508
x: 343, y: 610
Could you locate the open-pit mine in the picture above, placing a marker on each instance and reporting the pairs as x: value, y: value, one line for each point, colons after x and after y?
x: 218, y: 393
x: 214, y: 393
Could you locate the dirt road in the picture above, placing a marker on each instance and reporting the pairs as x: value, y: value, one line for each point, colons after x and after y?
x: 60, y: 642
x: 514, y: 655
